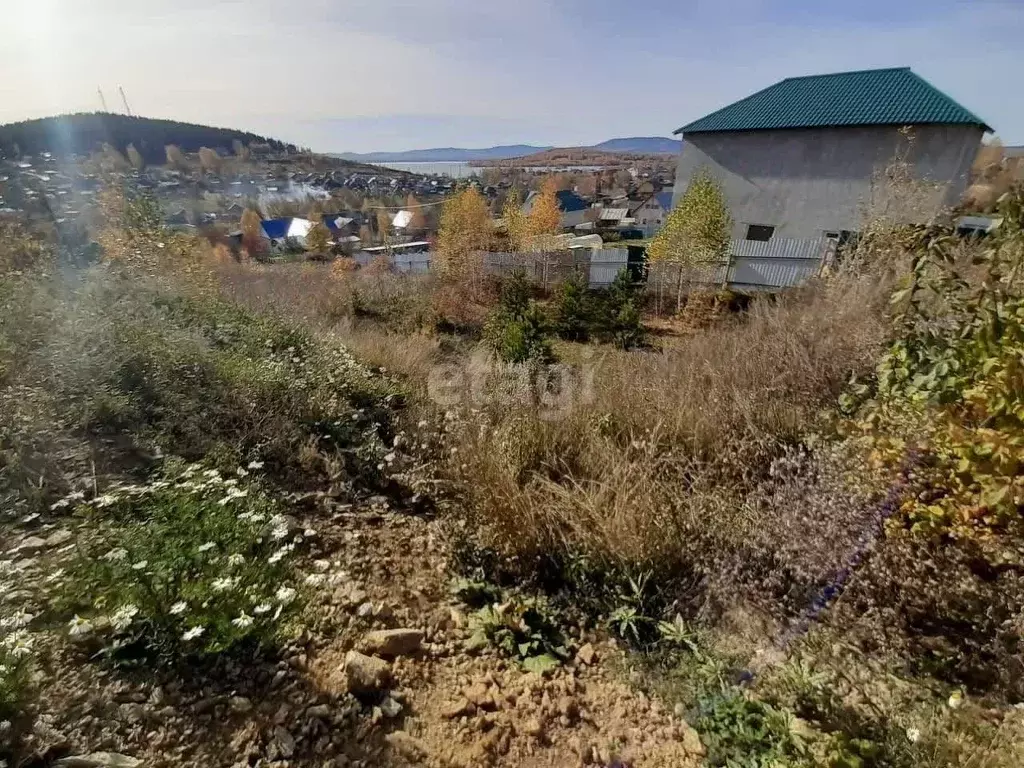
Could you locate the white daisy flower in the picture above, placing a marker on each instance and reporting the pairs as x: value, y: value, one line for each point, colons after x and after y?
x: 79, y: 626
x: 262, y: 608
x: 179, y: 608
x: 207, y: 546
x: 140, y: 565
x: 192, y: 634
x: 278, y: 556
x: 18, y: 643
x: 16, y: 620
x: 279, y: 532
x: 255, y: 465
x: 244, y: 621
x: 285, y: 595
x: 236, y: 559
x: 314, y: 579
x: 913, y: 735
x: 122, y: 618
x: 223, y: 584
x: 115, y: 555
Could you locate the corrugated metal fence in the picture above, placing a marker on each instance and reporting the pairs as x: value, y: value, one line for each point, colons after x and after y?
x: 753, y: 265
x: 598, y: 265
x: 777, y: 263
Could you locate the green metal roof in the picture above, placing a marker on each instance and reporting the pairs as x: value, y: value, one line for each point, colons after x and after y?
x: 869, y: 97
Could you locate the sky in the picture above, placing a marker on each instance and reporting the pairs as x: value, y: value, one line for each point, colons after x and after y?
x: 386, y: 75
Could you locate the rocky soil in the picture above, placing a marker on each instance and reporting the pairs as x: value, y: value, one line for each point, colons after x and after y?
x: 379, y: 678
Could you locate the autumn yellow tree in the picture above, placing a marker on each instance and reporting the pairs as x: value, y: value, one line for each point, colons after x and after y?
x: 209, y: 160
x: 135, y: 157
x: 384, y: 230
x: 696, y: 231
x: 418, y: 223
x: 465, y: 232
x: 175, y: 157
x: 545, y: 218
x: 318, y: 239
x: 516, y: 224
x: 252, y: 232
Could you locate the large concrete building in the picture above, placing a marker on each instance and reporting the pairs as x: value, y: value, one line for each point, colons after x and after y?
x: 807, y: 157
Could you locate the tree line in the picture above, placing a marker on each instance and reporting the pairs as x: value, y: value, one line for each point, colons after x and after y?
x: 84, y: 133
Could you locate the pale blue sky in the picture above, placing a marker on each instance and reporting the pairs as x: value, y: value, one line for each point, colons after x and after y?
x: 362, y: 75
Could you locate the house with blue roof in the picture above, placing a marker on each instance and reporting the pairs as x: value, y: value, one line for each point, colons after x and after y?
x: 650, y: 214
x: 806, y: 158
x: 288, y: 232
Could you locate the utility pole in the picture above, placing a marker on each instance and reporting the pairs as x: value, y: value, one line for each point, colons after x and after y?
x: 103, y: 101
x: 125, y: 100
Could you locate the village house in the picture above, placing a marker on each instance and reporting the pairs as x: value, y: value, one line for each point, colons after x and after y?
x: 285, y: 233
x: 803, y: 158
x: 650, y: 213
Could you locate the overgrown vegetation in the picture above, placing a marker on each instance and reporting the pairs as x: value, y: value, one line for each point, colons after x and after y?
x: 804, y: 518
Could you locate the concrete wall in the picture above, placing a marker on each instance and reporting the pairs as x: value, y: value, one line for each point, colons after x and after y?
x: 808, y: 181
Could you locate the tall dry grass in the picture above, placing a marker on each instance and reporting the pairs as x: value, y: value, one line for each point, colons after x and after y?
x: 379, y: 315
x: 667, y: 467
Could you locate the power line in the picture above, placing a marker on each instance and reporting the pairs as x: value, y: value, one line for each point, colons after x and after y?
x: 125, y: 100
x: 403, y: 207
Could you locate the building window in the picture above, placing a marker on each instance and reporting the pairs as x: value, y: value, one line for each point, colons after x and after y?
x: 760, y: 232
x: 843, y: 237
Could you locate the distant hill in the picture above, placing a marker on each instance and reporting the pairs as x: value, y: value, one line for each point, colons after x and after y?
x: 84, y: 132
x: 644, y: 145
x: 653, y: 145
x: 443, y: 154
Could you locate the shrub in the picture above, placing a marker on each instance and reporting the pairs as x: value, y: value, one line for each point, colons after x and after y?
x: 948, y: 389
x: 518, y: 330
x: 573, y: 311
x: 194, y: 565
x: 618, y: 313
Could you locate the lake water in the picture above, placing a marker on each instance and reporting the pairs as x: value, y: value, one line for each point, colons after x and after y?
x: 454, y: 169
x: 459, y: 170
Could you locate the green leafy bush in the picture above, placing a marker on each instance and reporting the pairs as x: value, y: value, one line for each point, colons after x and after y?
x: 949, y: 390
x: 521, y: 628
x: 195, y: 565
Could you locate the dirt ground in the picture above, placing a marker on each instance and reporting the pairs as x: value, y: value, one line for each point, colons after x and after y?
x: 433, y: 705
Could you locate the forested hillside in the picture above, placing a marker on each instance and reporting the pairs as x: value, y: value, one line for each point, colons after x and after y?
x: 84, y: 132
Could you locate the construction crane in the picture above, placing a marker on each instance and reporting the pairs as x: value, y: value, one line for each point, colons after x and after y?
x: 103, y: 101
x: 125, y: 100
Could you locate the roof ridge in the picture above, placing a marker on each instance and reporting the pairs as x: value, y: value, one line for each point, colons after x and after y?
x: 945, y: 95
x: 851, y: 72
x: 883, y: 96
